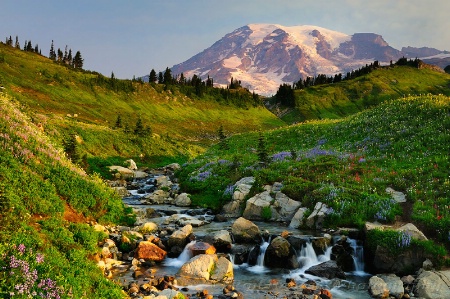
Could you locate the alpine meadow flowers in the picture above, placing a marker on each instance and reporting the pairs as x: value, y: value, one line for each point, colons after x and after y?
x: 20, y: 277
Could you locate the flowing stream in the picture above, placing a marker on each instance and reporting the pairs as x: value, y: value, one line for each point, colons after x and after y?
x: 255, y: 280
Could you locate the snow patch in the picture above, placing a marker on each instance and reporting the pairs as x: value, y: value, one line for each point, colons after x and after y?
x: 232, y: 62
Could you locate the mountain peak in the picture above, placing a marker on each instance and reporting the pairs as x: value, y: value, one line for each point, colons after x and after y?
x: 263, y: 56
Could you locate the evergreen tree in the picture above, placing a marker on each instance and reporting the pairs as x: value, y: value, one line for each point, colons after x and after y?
x: 78, y: 61
x: 160, y: 78
x: 447, y: 69
x: 70, y: 58
x: 167, y: 76
x: 139, y: 128
x: 17, y: 45
x: 60, y: 55
x: 25, y: 45
x: 262, y: 150
x: 152, y: 78
x: 29, y: 47
x: 285, y: 95
x: 65, y: 57
x: 52, y: 54
x: 118, y: 122
x: 222, y: 138
x: 71, y: 148
x: 9, y: 41
x: 36, y: 49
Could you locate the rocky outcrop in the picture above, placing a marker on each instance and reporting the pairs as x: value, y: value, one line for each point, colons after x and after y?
x: 327, y: 269
x: 182, y: 200
x: 207, y: 267
x: 222, y: 240
x: 241, y: 190
x: 298, y: 218
x: 280, y: 254
x: 149, y: 251
x: 202, y: 248
x: 342, y: 253
x: 394, y: 285
x: 284, y: 208
x: 378, y: 288
x: 255, y: 205
x: 315, y: 220
x: 431, y: 285
x: 245, y: 231
x: 179, y: 237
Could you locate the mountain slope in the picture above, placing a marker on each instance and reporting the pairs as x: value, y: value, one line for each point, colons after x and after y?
x: 263, y: 56
x: 64, y: 101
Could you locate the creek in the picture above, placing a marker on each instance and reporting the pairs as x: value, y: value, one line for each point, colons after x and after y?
x: 255, y: 280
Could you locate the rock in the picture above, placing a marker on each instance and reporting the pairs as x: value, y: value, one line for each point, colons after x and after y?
x: 219, y: 218
x: 280, y: 254
x: 409, y: 260
x: 255, y: 205
x: 199, y: 267
x: 173, y: 167
x: 182, y: 200
x: 232, y: 209
x: 169, y: 294
x: 284, y: 208
x: 158, y: 197
x: 297, y: 219
x: 378, y: 288
x: 407, y: 280
x: 243, y: 187
x: 222, y: 240
x: 413, y: 231
x: 100, y: 228
x: 368, y: 226
x: 394, y: 285
x: 430, y: 285
x: 179, y: 237
x: 151, y: 213
x: 131, y: 164
x: 396, y: 195
x: 149, y: 251
x: 342, y: 253
x: 163, y: 181
x: 315, y: 220
x: 245, y: 231
x: 223, y: 271
x: 202, y: 248
x: 276, y: 187
x: 148, y: 227
x: 122, y: 191
x: 122, y: 172
x: 327, y: 269
x: 140, y: 174
x: 320, y: 244
x: 427, y: 265
x: 240, y: 253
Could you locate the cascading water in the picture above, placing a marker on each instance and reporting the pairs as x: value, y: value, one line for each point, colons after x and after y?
x: 358, y: 256
x: 185, y: 256
x: 308, y: 257
x: 259, y: 266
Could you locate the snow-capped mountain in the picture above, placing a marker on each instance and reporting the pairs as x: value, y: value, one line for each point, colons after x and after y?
x: 263, y: 56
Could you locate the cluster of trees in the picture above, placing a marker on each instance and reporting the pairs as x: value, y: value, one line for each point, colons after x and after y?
x: 285, y: 94
x: 59, y: 56
x: 234, y: 93
x: 66, y: 57
x: 139, y: 130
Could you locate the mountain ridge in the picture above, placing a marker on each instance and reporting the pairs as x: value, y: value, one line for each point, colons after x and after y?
x: 263, y: 56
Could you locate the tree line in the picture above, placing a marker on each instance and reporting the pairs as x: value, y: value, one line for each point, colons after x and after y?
x: 67, y: 58
x: 285, y: 93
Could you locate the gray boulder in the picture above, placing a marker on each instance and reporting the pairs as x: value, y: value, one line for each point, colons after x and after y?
x: 280, y: 254
x: 327, y: 269
x: 298, y: 218
x: 430, y: 285
x: 378, y: 288
x: 315, y: 220
x: 182, y: 200
x: 245, y: 231
x: 394, y: 284
x: 255, y: 205
x: 284, y: 208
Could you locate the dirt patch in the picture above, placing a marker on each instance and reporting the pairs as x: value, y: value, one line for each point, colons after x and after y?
x: 73, y: 216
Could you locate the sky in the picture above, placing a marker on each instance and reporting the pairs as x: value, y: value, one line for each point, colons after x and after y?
x: 132, y: 37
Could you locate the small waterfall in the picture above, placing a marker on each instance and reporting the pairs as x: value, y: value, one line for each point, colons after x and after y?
x: 259, y: 266
x: 358, y: 256
x: 185, y: 256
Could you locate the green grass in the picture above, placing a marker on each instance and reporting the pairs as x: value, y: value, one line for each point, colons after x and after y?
x: 348, y: 164
x: 333, y: 101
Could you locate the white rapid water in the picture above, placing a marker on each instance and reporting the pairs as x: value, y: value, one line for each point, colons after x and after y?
x: 307, y: 257
x: 358, y: 257
x: 185, y: 256
x: 259, y: 267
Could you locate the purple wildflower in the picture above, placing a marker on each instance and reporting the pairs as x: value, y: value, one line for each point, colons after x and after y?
x: 229, y: 190
x: 281, y: 156
x: 39, y: 258
x: 21, y: 248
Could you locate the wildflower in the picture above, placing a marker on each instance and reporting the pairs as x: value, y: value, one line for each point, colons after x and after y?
x: 229, y: 190
x: 39, y: 258
x: 21, y: 248
x: 281, y: 156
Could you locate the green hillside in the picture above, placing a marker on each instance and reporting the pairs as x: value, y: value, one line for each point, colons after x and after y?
x: 347, y: 97
x: 65, y: 101
x: 346, y: 163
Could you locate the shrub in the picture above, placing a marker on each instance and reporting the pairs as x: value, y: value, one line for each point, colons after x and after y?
x: 266, y: 213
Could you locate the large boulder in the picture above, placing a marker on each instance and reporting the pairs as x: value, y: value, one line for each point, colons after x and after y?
x: 394, y: 284
x: 413, y: 231
x: 298, y: 218
x: 179, y: 237
x: 280, y: 254
x: 148, y: 227
x: 158, y: 197
x: 342, y: 253
x: 163, y: 181
x: 121, y: 172
x: 386, y: 262
x: 256, y: 204
x: 149, y: 251
x: 245, y: 231
x: 182, y: 200
x: 327, y: 269
x: 284, y: 208
x: 222, y: 240
x: 430, y: 285
x: 243, y: 187
x: 396, y: 195
x: 232, y: 208
x: 131, y: 164
x: 202, y: 248
x: 378, y: 288
x: 206, y: 267
x: 315, y: 220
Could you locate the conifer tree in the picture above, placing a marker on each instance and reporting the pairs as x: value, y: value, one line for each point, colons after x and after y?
x: 167, y: 76
x: 29, y: 47
x: 160, y: 78
x: 118, y: 122
x: 71, y: 148
x: 78, y: 61
x: 70, y: 58
x: 52, y: 54
x: 222, y: 138
x: 261, y: 150
x: 60, y: 55
x: 36, y: 49
x: 152, y: 78
x: 139, y: 128
x: 17, y: 45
